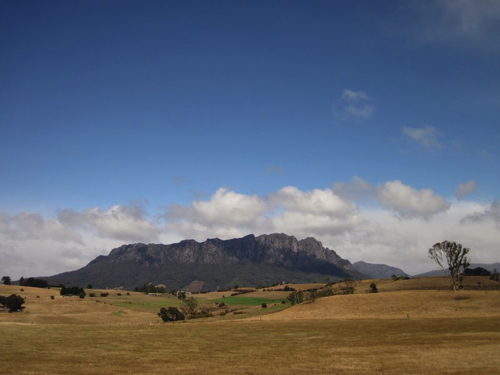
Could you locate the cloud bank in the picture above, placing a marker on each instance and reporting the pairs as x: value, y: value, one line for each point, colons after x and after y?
x: 391, y: 222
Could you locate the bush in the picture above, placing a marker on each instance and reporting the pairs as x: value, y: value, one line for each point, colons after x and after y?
x: 92, y: 294
x: 118, y: 294
x: 82, y: 295
x: 12, y: 302
x: 373, y: 288
x: 171, y: 314
x: 72, y: 291
x: 264, y: 306
x: 104, y: 294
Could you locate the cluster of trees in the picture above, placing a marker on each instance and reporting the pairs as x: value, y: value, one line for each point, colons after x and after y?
x: 6, y: 280
x: 188, y: 310
x: 72, y: 291
x: 171, y: 314
x: 12, y: 302
x: 35, y: 283
x: 151, y: 288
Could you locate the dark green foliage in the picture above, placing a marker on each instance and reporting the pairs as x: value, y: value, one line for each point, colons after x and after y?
x: 89, y: 286
x: 118, y: 294
x: 72, y: 291
x: 296, y: 297
x: 6, y: 280
x: 150, y: 288
x: 12, y: 302
x: 104, y: 294
x: 181, y: 295
x: 348, y: 287
x: 91, y: 294
x: 35, y: 283
x: 171, y: 314
x: 82, y: 295
x: 478, y: 271
x: 288, y: 289
x: 264, y: 306
x: 21, y: 281
x: 495, y: 275
x: 189, y: 305
x: 373, y: 288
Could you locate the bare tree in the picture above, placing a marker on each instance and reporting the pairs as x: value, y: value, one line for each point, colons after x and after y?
x: 455, y: 256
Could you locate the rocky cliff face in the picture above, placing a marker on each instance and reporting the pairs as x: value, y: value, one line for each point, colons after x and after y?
x: 248, y: 261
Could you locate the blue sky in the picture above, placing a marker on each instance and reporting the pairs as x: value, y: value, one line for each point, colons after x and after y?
x: 126, y: 121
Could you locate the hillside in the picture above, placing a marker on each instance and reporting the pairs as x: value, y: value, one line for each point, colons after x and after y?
x: 487, y: 266
x: 378, y: 271
x: 215, y: 263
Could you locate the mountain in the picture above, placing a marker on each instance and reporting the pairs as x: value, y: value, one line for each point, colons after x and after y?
x: 487, y: 266
x: 378, y: 271
x: 215, y: 263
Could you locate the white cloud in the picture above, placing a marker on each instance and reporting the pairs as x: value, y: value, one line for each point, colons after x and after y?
x: 490, y: 214
x: 356, y: 189
x: 426, y: 136
x: 465, y: 189
x: 318, y: 202
x: 29, y: 225
x: 354, y: 105
x: 409, y: 202
x: 355, y: 95
x: 356, y: 232
x: 120, y: 222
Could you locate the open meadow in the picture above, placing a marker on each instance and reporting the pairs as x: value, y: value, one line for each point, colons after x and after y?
x: 410, y: 326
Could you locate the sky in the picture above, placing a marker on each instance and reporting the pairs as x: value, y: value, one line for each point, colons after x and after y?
x: 371, y: 126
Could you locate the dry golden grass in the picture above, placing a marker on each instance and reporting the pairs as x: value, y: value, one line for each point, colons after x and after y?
x: 398, y: 305
x: 437, y: 346
x: 446, y: 333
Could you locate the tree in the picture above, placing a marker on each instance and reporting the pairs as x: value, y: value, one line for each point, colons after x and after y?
x: 12, y: 302
x: 6, y: 280
x: 171, y: 314
x: 189, y: 305
x: 455, y: 256
x: 373, y: 288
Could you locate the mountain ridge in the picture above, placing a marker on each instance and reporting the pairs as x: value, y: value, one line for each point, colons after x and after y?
x: 250, y: 261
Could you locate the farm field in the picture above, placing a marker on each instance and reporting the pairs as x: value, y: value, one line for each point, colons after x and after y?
x: 394, y: 331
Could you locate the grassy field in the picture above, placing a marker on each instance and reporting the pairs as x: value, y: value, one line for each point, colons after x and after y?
x: 392, y: 332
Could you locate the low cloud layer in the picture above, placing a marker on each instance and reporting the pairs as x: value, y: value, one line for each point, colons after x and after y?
x: 390, y: 223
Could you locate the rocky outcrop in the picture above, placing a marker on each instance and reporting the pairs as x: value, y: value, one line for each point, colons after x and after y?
x: 247, y: 261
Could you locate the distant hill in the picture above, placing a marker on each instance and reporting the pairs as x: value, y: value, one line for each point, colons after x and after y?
x: 378, y: 271
x: 215, y: 263
x: 487, y: 266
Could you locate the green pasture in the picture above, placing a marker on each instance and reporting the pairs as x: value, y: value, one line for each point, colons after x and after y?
x: 247, y: 301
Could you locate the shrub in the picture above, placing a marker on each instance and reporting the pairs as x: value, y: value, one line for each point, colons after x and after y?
x: 373, y: 288
x: 118, y: 294
x: 104, y: 294
x: 52, y: 297
x: 82, y: 295
x: 74, y: 291
x: 264, y: 305
x: 92, y: 294
x: 171, y: 314
x: 128, y: 294
x: 12, y: 302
